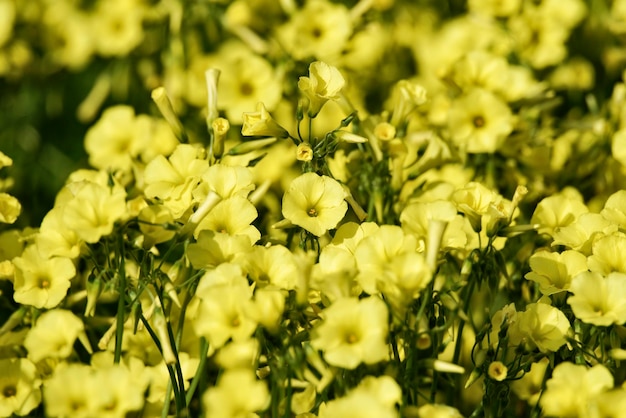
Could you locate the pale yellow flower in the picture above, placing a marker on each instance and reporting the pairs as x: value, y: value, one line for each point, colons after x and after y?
x: 553, y: 272
x: 41, y: 282
x: 497, y: 371
x: 267, y: 308
x: 378, y: 254
x: 274, y: 265
x: 316, y: 203
x: 93, y: 209
x: 232, y: 216
x: 496, y: 8
x: 239, y: 354
x: 373, y: 397
x: 55, y: 238
x: 19, y: 387
x: 352, y: 332
x: 320, y: 30
x: 222, y: 313
x: 582, y: 234
x: 117, y: 26
x: 173, y: 180
x: 213, y: 248
x: 82, y: 391
x: 558, y: 210
x: 615, y: 206
x: 8, y: 11
x: 606, y: 254
x: 53, y: 335
x: 261, y: 123
x: 542, y: 326
x: 599, y: 300
x: 10, y: 208
x: 245, y: 79
x: 474, y: 200
x: 479, y: 121
x: 335, y: 273
x: 438, y: 411
x: 304, y: 152
x: 73, y: 31
x: 324, y: 83
x: 238, y: 393
x: 571, y: 387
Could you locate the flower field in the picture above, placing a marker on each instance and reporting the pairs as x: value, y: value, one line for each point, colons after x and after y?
x: 313, y: 208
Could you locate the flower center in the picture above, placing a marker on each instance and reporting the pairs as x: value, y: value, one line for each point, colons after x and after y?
x: 246, y: 89
x: 312, y: 213
x: 9, y: 391
x: 316, y: 32
x: 44, y: 283
x: 351, y: 338
x: 235, y: 322
x: 479, y: 121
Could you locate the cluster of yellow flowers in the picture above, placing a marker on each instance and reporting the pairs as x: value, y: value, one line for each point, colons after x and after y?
x: 368, y: 208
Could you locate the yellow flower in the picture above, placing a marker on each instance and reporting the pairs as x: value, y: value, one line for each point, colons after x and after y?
x: 365, y: 402
x: 304, y: 152
x: 497, y: 371
x: 438, y: 411
x: 479, y: 121
x: 558, y: 210
x: 173, y: 180
x: 237, y: 394
x: 19, y: 387
x: 553, y: 272
x: 245, y: 79
x: 599, y: 300
x: 474, y: 200
x: 41, y: 282
x: 261, y: 123
x: 377, y: 254
x: 232, y: 216
x: 267, y: 308
x: 606, y: 254
x: 275, y: 266
x: 93, y: 209
x: 117, y: 26
x: 571, y: 387
x: 320, y: 30
x: 543, y: 326
x: 10, y: 208
x: 77, y: 390
x: 352, y: 332
x: 53, y: 335
x: 497, y: 8
x: 584, y: 232
x: 213, y: 248
x: 222, y: 312
x: 316, y: 203
x: 324, y: 83
x: 55, y: 238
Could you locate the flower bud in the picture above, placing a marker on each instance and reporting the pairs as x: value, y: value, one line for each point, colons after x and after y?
x: 160, y: 98
x: 261, y: 123
x: 304, y: 152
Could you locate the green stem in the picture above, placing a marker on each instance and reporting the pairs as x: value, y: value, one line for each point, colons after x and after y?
x: 170, y: 369
x: 121, y: 307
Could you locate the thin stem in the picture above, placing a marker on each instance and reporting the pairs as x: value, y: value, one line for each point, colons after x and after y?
x: 121, y: 307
